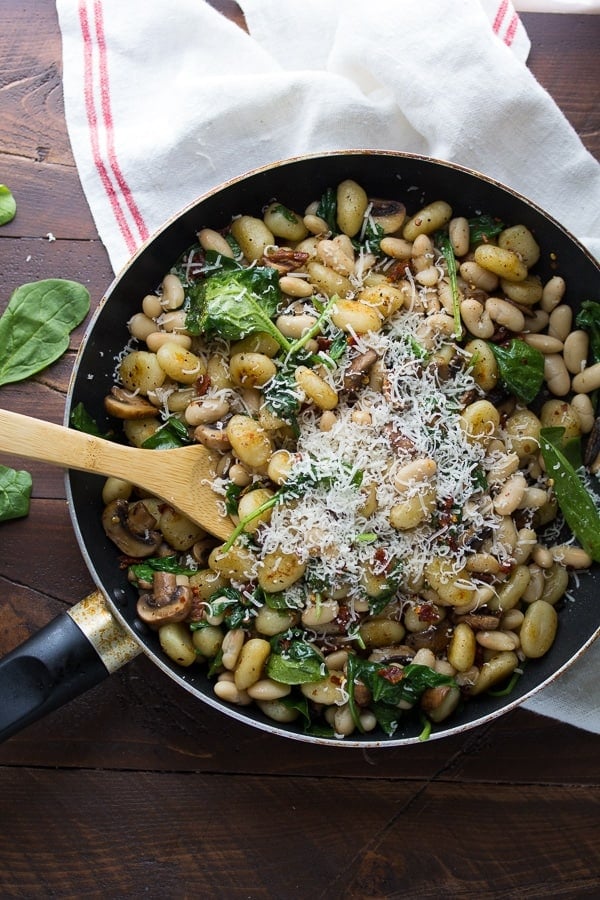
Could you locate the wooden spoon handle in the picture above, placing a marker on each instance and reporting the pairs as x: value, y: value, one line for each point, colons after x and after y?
x: 47, y: 442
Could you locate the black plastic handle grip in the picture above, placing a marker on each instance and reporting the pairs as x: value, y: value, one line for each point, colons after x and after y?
x: 53, y: 666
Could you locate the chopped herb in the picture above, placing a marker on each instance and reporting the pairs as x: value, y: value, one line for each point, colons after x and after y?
x: 145, y: 570
x: 588, y: 318
x: 327, y: 209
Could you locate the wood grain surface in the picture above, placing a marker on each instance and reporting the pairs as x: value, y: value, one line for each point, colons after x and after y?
x: 136, y: 789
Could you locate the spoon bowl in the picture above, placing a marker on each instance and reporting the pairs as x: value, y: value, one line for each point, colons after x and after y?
x: 181, y: 477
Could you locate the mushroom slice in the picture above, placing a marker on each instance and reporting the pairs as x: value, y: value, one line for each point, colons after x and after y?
x: 116, y: 524
x: 168, y: 602
x: 123, y: 405
x: 388, y: 214
x: 357, y: 372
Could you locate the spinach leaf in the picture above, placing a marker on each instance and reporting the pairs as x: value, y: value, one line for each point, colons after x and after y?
x: 588, y: 318
x: 327, y: 209
x: 8, y: 206
x: 145, y: 570
x: 81, y: 420
x: 294, y: 661
x: 35, y: 326
x: 169, y: 436
x: 236, y: 302
x: 281, y: 393
x: 483, y: 228
x: 576, y: 503
x: 445, y: 245
x: 521, y: 369
x: 15, y: 493
x: 233, y: 605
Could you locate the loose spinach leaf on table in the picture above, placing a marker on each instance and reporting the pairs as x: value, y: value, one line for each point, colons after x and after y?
x: 15, y: 492
x: 521, y: 369
x: 35, y: 326
x: 8, y: 206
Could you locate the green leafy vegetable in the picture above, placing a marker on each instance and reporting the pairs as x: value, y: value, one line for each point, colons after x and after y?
x: 389, y: 686
x: 576, y: 503
x: 371, y: 237
x: 483, y: 228
x: 15, y: 493
x: 8, y: 206
x: 327, y: 209
x: 169, y: 436
x: 145, y: 570
x: 81, y: 420
x: 445, y: 245
x: 588, y: 318
x: 233, y: 605
x: 521, y: 369
x: 232, y: 497
x: 234, y: 303
x: 35, y: 326
x: 295, y: 662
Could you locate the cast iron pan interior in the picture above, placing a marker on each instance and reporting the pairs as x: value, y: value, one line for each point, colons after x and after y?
x: 414, y: 180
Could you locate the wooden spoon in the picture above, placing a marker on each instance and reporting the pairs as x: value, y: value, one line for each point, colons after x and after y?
x: 181, y: 477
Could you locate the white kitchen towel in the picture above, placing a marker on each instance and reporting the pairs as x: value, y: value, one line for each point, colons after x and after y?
x: 166, y: 99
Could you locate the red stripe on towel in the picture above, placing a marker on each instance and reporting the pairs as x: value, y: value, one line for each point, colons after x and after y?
x: 511, y: 30
x: 108, y: 124
x: 107, y: 169
x: 497, y: 23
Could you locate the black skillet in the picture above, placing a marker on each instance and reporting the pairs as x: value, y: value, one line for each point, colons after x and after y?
x: 102, y: 632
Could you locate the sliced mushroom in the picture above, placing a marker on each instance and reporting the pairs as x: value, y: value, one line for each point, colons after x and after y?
x: 124, y: 405
x: 212, y: 438
x: 356, y: 375
x: 169, y: 601
x: 122, y: 522
x: 388, y: 214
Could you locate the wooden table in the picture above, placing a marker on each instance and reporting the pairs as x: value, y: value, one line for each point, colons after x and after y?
x: 136, y: 789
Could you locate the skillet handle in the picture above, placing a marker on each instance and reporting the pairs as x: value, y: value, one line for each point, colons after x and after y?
x: 75, y: 651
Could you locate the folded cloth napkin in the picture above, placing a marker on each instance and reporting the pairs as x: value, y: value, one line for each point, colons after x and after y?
x: 167, y: 100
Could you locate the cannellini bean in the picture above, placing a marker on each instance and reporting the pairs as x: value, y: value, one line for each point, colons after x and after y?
x: 231, y: 647
x: 584, y: 408
x: 417, y: 470
x: 226, y: 690
x: 156, y: 339
x: 278, y: 711
x: 140, y: 326
x: 497, y: 640
x: 503, y: 263
x: 397, y: 248
x: 476, y: 318
x: 267, y: 689
x: 556, y: 581
x: 576, y: 349
x: 568, y: 555
x: 209, y: 239
x: 429, y: 219
x: 557, y: 375
x: 553, y: 292
x: 587, y: 380
x: 505, y: 313
x: 477, y: 276
x: 459, y: 234
x: 327, y: 280
x: 295, y: 286
x: 544, y: 343
x: 151, y: 306
x: 206, y: 411
x: 560, y: 321
x: 316, y: 615
x: 315, y: 224
x: 538, y: 630
x: 510, y: 495
x: 172, y: 293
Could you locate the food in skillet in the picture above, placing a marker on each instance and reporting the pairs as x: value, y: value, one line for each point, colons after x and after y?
x: 365, y: 376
